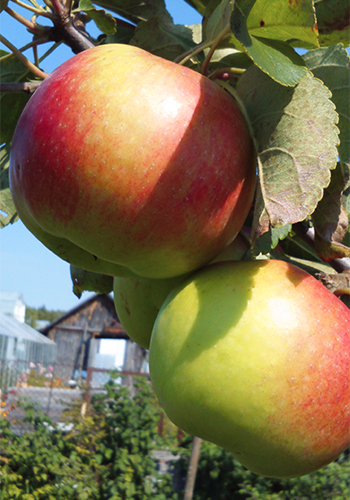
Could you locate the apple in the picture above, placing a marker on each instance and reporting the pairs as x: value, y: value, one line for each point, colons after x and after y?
x: 124, y: 163
x: 138, y: 300
x: 254, y: 356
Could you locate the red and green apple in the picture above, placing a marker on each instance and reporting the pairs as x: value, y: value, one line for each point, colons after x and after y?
x: 255, y: 357
x: 124, y: 163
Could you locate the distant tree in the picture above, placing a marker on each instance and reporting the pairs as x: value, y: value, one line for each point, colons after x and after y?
x: 33, y: 315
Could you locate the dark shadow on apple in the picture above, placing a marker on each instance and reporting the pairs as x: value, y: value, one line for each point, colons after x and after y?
x: 192, y: 198
x: 221, y: 303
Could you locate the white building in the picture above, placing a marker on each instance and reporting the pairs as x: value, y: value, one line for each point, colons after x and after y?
x: 12, y: 304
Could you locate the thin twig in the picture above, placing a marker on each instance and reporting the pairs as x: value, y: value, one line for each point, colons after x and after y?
x: 35, y: 54
x: 49, y: 51
x: 22, y: 58
x: 213, y: 47
x: 39, y: 12
x: 183, y: 58
x: 37, y: 41
x: 28, y: 24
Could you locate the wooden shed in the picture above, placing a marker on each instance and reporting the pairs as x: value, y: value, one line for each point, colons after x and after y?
x: 78, y: 333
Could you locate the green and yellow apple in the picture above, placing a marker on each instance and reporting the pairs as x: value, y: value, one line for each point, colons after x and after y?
x: 124, y: 163
x: 138, y: 300
x: 255, y: 357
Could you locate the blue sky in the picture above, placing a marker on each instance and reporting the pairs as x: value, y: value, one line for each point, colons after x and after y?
x: 27, y: 266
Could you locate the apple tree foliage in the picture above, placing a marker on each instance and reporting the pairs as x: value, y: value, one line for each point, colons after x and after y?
x: 287, y: 65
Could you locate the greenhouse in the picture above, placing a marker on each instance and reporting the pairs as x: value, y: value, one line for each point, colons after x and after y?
x: 20, y: 345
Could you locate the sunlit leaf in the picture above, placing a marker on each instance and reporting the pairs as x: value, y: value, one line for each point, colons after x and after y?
x: 284, y: 21
x: 273, y: 56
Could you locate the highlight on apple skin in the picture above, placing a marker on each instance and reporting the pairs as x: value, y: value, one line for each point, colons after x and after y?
x: 124, y: 163
x: 254, y: 356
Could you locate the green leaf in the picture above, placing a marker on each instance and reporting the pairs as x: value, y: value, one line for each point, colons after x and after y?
x: 273, y: 56
x: 269, y: 240
x: 11, y: 68
x: 330, y: 220
x: 136, y: 10
x: 11, y: 107
x: 296, y: 137
x: 218, y: 20
x: 108, y: 453
x: 333, y: 19
x: 104, y: 20
x: 88, y: 281
x: 284, y: 21
x: 330, y: 250
x: 199, y: 5
x: 164, y: 39
x: 11, y: 104
x: 3, y: 4
x: 332, y: 66
x: 8, y: 212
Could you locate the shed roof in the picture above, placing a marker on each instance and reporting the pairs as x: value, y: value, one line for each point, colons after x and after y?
x: 11, y: 327
x: 111, y: 329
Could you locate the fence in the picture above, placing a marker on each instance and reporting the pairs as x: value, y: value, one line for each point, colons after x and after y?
x: 52, y: 388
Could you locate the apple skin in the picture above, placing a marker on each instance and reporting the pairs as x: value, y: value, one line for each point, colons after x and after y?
x: 254, y: 356
x: 124, y: 163
x: 138, y: 300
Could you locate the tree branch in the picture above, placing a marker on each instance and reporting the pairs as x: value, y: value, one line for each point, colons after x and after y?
x: 27, y: 87
x: 71, y: 30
